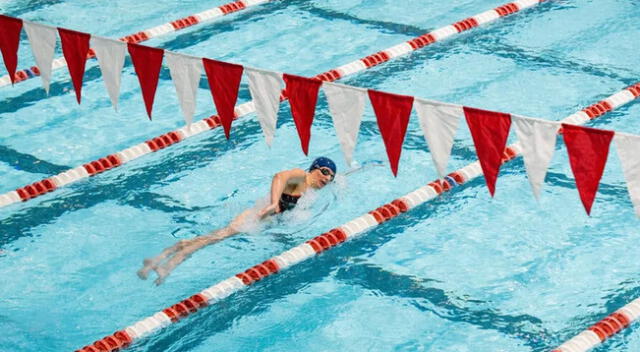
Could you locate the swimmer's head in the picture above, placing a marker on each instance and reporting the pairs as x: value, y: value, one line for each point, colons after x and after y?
x: 323, y: 171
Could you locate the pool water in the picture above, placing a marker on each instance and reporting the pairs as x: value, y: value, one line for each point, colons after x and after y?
x: 461, y: 273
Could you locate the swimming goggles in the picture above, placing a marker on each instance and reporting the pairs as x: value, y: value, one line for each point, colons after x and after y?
x: 325, y: 171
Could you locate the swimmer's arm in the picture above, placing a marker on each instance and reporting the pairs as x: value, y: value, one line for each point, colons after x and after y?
x: 282, y: 179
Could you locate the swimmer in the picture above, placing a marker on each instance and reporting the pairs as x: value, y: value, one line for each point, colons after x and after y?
x: 286, y: 189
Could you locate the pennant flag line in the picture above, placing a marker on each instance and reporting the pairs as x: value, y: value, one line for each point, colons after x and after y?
x: 489, y: 130
x: 110, y: 54
x: 147, y: 62
x: 538, y: 142
x: 392, y: 113
x: 9, y: 43
x: 43, y: 44
x: 346, y: 105
x: 439, y: 123
x: 224, y: 83
x: 588, y: 149
x: 265, y: 88
x: 303, y: 96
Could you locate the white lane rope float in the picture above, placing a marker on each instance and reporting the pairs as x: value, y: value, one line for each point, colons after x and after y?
x: 160, y: 142
x: 157, y: 31
x: 351, y: 229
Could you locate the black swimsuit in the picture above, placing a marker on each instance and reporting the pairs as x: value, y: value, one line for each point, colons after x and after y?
x: 288, y: 202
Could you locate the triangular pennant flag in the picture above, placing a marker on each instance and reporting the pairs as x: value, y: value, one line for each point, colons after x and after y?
x: 43, y: 44
x: 75, y: 47
x: 489, y: 130
x: 9, y: 42
x: 439, y: 124
x: 185, y: 72
x: 538, y: 142
x: 224, y: 82
x: 588, y: 149
x: 265, y: 90
x: 392, y: 113
x: 628, y: 147
x: 147, y: 62
x: 303, y: 96
x: 347, y: 106
x: 110, y: 54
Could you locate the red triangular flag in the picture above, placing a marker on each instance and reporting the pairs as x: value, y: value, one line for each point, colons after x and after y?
x: 392, y: 113
x: 489, y: 130
x: 75, y: 47
x: 9, y: 42
x: 303, y: 96
x: 147, y: 62
x: 588, y: 149
x: 224, y: 82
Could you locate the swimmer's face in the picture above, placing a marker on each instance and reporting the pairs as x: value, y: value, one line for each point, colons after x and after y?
x: 321, y: 177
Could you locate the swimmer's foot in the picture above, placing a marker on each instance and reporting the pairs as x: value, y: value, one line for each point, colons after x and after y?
x: 148, y: 265
x: 162, y: 274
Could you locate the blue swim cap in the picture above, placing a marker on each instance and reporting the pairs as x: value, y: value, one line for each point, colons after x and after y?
x: 323, y: 162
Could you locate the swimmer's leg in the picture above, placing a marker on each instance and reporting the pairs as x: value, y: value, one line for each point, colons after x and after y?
x: 152, y: 264
x: 187, y: 249
x: 165, y: 269
x: 182, y: 250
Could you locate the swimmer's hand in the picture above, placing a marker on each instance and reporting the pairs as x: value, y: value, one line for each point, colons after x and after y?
x: 269, y: 210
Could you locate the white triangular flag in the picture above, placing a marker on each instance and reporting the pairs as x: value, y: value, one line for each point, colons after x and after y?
x: 346, y: 105
x: 185, y: 72
x: 265, y: 88
x: 110, y: 54
x: 537, y: 139
x: 439, y: 123
x: 43, y: 43
x: 628, y: 147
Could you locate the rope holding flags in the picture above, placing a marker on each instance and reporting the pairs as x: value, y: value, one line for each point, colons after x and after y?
x: 588, y: 148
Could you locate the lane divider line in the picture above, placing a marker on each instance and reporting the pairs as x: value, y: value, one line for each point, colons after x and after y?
x: 602, y: 330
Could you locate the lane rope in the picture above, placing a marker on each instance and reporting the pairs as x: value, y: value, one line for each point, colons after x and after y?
x: 602, y: 330
x: 160, y: 142
x: 332, y: 238
x: 157, y: 31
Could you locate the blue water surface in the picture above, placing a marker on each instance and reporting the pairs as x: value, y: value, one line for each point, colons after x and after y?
x: 464, y: 272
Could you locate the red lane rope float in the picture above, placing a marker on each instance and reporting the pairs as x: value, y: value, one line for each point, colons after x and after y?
x: 173, y: 26
x: 212, y: 122
x: 341, y: 234
x: 602, y: 330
